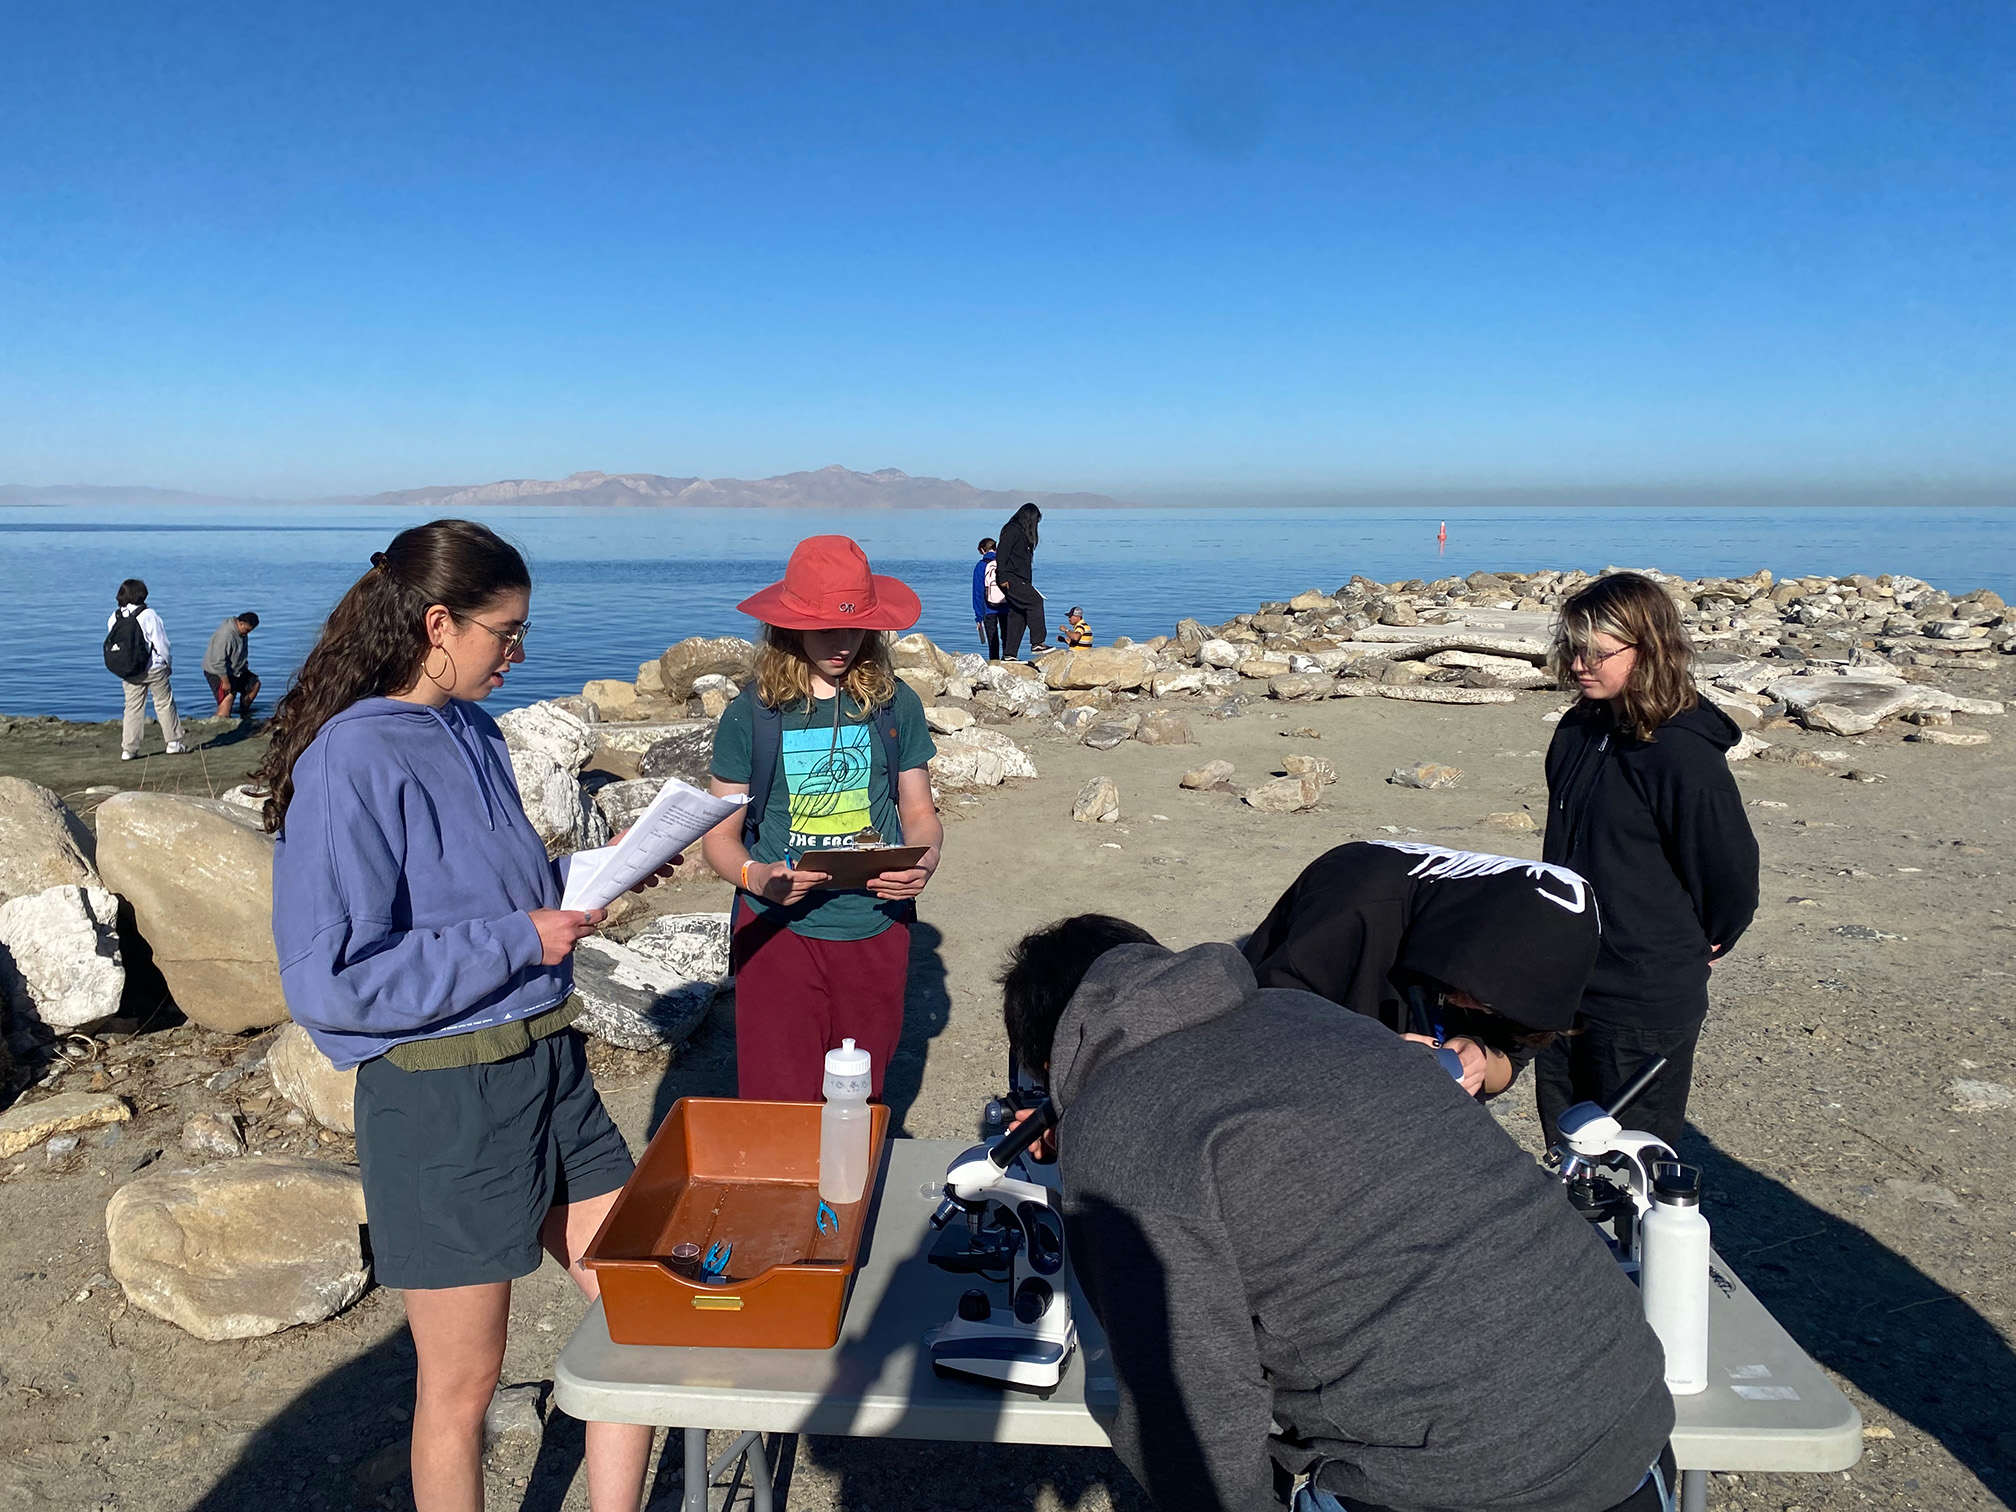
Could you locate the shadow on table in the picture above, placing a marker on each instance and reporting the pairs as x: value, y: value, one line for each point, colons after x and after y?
x: 1866, y: 1312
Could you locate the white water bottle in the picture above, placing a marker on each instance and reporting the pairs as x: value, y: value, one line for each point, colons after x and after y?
x: 1673, y: 1275
x: 843, y: 1125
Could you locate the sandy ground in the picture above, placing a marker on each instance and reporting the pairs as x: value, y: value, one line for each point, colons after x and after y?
x: 1875, y: 1220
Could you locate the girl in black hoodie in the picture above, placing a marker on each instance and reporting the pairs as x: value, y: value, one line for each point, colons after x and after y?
x: 1014, y: 562
x: 1640, y: 801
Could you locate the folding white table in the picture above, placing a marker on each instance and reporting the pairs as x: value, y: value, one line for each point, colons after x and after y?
x: 1769, y: 1408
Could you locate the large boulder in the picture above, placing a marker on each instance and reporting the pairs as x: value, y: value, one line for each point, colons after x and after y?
x: 1286, y: 795
x: 42, y: 844
x: 242, y: 1248
x: 978, y: 757
x: 545, y: 729
x: 684, y: 751
x: 563, y: 815
x: 198, y: 875
x: 653, y: 991
x: 622, y: 802
x: 310, y: 1081
x: 916, y: 652
x: 613, y: 697
x: 1098, y: 667
x: 59, y: 956
x: 697, y: 656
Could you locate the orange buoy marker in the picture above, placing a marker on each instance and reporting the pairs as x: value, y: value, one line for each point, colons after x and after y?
x: 1442, y: 539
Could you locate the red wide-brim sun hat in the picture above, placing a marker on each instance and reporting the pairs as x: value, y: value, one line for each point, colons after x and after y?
x: 827, y: 586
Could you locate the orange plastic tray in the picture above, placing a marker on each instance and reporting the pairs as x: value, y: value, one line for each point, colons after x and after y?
x: 721, y: 1171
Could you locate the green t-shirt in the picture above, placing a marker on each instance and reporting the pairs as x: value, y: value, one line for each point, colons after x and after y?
x: 832, y: 782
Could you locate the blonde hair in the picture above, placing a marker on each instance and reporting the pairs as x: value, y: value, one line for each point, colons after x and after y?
x: 1638, y: 612
x: 784, y: 672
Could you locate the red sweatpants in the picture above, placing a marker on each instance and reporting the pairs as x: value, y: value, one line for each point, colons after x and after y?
x: 796, y: 998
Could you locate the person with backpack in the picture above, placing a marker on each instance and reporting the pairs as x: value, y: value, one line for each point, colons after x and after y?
x: 828, y: 744
x: 137, y: 653
x: 1014, y: 568
x: 420, y: 938
x: 227, y: 665
x: 988, y: 600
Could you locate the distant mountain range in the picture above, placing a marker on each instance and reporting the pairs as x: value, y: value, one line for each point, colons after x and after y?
x: 828, y: 488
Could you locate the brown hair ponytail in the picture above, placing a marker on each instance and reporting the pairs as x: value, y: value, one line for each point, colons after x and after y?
x: 375, y: 639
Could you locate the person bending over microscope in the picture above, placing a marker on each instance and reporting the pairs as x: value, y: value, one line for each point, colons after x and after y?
x: 1316, y: 1259
x: 1499, y: 949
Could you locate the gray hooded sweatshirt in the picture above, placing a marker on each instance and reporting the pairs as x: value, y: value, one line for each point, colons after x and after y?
x: 1310, y: 1248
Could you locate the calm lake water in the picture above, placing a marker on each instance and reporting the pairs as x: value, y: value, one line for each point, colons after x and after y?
x: 613, y: 587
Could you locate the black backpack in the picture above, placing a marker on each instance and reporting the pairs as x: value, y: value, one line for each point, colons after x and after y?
x: 127, y: 653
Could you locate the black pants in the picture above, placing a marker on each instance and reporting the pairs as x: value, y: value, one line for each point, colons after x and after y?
x: 990, y: 629
x: 1024, y: 610
x: 1658, y: 1492
x: 1592, y: 1065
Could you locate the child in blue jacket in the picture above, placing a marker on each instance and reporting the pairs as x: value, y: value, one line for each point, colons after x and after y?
x: 988, y: 600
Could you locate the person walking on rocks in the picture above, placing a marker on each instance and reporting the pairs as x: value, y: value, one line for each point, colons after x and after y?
x: 830, y: 747
x: 1014, y: 569
x: 1640, y: 801
x: 416, y: 918
x: 137, y: 652
x: 988, y: 600
x: 227, y: 665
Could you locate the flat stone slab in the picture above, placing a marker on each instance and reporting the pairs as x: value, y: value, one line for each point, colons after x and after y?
x: 22, y: 1127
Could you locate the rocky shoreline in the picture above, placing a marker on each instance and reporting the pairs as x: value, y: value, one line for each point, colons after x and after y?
x: 145, y: 1029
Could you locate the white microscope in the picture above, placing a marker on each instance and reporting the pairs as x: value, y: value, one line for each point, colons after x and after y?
x: 1013, y: 1234
x: 1607, y: 1168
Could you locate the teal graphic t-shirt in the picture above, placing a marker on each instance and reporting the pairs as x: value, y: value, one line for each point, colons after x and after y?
x: 831, y: 784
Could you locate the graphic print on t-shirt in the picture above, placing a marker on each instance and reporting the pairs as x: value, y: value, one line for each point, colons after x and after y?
x: 826, y: 776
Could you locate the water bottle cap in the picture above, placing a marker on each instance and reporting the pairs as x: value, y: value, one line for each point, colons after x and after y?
x: 1676, y: 1185
x: 847, y: 1061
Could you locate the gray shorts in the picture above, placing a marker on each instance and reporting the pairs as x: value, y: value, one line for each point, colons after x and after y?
x: 460, y: 1166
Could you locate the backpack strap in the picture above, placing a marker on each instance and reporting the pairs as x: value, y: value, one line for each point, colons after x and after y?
x: 766, y: 750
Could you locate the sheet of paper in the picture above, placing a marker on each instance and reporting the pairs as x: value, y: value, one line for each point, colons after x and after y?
x: 677, y: 817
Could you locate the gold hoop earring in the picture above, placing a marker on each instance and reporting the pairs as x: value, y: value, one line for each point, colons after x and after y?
x: 427, y: 671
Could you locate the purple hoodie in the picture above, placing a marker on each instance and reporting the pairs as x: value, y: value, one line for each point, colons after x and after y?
x: 403, y: 879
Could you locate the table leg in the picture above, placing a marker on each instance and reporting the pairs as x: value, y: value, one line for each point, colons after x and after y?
x: 695, y: 1498
x: 1693, y: 1491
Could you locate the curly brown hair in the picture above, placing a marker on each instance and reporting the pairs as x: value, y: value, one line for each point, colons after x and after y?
x: 784, y: 675
x: 375, y: 639
x: 1638, y: 612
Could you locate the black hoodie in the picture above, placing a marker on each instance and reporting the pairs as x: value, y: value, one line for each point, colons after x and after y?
x: 1659, y: 830
x: 1015, y: 551
x: 1365, y: 918
x: 1282, y: 1213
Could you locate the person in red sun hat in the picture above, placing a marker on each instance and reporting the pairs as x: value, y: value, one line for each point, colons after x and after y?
x: 827, y: 744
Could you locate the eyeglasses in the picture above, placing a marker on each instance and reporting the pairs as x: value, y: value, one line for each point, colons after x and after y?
x: 513, y: 640
x: 1593, y: 659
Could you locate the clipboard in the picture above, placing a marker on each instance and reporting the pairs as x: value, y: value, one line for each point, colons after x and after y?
x: 850, y: 867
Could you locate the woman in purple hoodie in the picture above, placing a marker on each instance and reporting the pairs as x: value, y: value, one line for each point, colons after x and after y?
x: 415, y: 915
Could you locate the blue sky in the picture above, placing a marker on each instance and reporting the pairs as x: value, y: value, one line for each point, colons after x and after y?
x: 1154, y: 249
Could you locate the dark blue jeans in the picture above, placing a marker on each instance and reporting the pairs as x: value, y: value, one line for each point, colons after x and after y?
x: 1592, y: 1065
x: 1658, y: 1492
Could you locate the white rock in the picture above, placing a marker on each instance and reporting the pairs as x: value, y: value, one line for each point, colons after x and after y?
x: 42, y: 843
x: 242, y: 1248
x: 1444, y: 693
x: 307, y: 1078
x: 59, y: 956
x: 652, y: 993
x: 978, y: 757
x: 1220, y: 653
x: 1981, y: 1096
x: 1165, y: 684
x: 1098, y: 802
x: 563, y: 816
x: 968, y: 665
x: 563, y: 738
x: 947, y: 721
x: 622, y: 802
x: 1746, y: 747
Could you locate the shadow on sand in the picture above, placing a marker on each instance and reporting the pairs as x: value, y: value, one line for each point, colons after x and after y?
x: 1861, y: 1309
